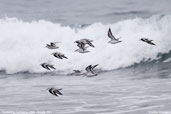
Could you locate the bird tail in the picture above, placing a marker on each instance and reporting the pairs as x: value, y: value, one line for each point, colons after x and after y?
x: 90, y: 44
x: 52, y: 67
x: 65, y: 57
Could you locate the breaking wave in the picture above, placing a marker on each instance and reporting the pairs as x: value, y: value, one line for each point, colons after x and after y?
x: 22, y: 44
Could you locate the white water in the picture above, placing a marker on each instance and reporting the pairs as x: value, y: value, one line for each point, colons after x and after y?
x: 22, y: 44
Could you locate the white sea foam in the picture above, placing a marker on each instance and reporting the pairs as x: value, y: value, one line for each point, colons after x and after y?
x: 167, y: 60
x: 22, y: 43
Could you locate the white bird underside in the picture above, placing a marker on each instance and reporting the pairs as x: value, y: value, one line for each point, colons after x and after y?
x: 114, y: 41
x: 89, y: 74
x: 80, y: 50
x: 77, y: 73
x: 51, y: 47
x: 112, y: 37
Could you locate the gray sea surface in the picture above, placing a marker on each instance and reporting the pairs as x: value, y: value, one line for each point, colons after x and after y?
x: 70, y: 12
x: 135, y: 90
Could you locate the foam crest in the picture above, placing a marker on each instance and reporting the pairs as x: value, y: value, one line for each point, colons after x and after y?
x: 22, y: 44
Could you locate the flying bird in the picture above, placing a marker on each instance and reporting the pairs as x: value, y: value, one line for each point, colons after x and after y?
x: 47, y: 66
x: 55, y: 91
x: 90, y: 70
x: 52, y: 45
x: 147, y: 41
x: 113, y: 39
x: 59, y: 55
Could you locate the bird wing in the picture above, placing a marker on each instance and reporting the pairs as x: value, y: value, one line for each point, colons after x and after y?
x: 50, y: 90
x: 151, y: 43
x: 81, y: 45
x: 110, y: 35
x: 90, y: 44
x: 88, y: 40
x: 57, y: 92
x: 54, y: 93
x: 46, y: 66
x: 55, y: 54
x: 95, y: 66
x: 51, y: 66
x: 59, y: 55
x: 64, y: 56
x: 92, y: 68
x: 88, y: 68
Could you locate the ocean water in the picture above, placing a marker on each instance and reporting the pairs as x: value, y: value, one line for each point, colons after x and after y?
x: 133, y: 77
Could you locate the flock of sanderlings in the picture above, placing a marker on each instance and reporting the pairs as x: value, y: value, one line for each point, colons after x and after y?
x: 82, y: 48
